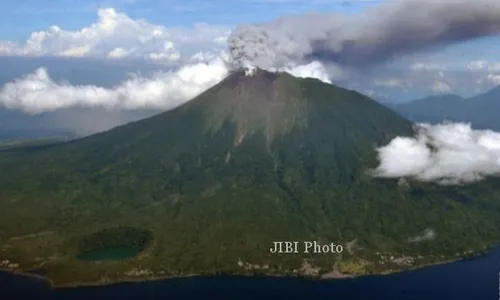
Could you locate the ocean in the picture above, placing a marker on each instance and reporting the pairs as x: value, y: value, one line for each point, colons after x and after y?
x: 472, y: 279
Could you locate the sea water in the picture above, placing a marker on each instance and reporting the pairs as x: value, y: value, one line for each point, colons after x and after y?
x: 473, y: 279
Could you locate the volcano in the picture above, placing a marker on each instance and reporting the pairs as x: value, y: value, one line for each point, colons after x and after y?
x: 210, y: 186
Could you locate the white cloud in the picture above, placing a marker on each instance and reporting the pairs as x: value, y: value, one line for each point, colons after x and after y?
x: 477, y: 65
x: 115, y: 35
x: 202, y: 56
x: 487, y: 69
x: 313, y: 69
x: 450, y: 153
x: 37, y: 92
x: 494, y: 78
x: 118, y: 53
x: 420, y: 66
x: 483, y: 65
x: 441, y: 86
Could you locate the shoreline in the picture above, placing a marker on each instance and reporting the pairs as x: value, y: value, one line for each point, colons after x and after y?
x: 333, y: 275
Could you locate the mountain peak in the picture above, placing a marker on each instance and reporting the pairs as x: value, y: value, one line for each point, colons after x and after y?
x: 255, y: 100
x: 251, y: 73
x: 230, y: 192
x: 252, y: 77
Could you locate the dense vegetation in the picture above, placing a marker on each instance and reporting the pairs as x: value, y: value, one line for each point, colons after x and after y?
x: 216, y: 197
x: 116, y: 237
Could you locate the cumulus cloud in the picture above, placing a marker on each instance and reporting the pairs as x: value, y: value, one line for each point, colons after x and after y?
x: 388, y: 30
x: 115, y: 35
x: 38, y: 92
x: 313, y: 70
x: 338, y: 44
x: 494, y: 78
x: 331, y: 47
x: 449, y: 153
x: 480, y: 65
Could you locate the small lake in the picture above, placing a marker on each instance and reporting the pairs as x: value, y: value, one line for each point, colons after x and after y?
x: 473, y: 279
x: 111, y: 253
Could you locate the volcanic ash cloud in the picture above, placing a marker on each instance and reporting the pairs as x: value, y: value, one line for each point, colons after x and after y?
x: 381, y: 33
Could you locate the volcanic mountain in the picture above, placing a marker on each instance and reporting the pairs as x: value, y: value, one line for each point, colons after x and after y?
x: 480, y: 111
x: 206, y: 188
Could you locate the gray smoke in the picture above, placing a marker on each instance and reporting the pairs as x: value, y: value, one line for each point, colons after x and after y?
x: 391, y: 29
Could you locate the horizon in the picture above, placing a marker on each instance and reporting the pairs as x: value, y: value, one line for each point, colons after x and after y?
x: 165, y: 139
x: 131, y: 56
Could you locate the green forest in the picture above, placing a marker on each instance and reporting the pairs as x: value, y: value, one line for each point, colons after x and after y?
x: 207, y: 188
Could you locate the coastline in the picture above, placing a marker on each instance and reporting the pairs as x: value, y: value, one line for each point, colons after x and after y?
x: 444, y: 262
x: 333, y: 275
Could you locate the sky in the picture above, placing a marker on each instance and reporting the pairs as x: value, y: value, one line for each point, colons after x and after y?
x: 58, y: 28
x: 90, y: 65
x: 19, y: 18
x: 391, y: 50
x: 168, y: 34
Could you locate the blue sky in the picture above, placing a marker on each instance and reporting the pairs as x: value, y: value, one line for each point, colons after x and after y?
x: 19, y: 18
x: 89, y: 65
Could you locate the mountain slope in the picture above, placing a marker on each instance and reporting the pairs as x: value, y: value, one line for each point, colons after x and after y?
x: 209, y: 186
x: 479, y: 110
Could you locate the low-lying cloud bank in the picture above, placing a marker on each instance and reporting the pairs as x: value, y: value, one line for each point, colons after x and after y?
x: 450, y: 153
x: 38, y: 92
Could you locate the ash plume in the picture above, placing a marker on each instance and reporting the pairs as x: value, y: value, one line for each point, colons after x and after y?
x: 388, y: 30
